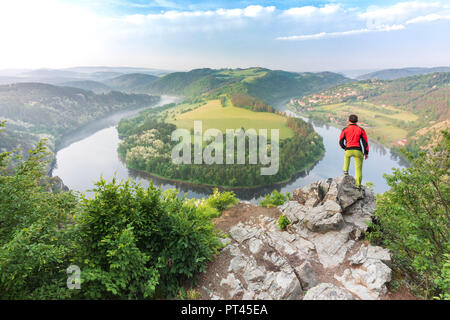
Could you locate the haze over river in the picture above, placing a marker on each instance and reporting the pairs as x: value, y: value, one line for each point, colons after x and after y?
x: 92, y: 151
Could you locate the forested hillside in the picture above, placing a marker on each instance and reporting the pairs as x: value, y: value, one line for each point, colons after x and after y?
x: 268, y: 85
x: 391, y: 74
x: 36, y: 110
x: 394, y: 111
x: 133, y: 82
x: 95, y: 86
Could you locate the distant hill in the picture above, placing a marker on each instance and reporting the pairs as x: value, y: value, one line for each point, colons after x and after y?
x: 50, y: 73
x: 393, y: 111
x: 424, y: 95
x: 95, y: 86
x: 196, y: 81
x: 43, y: 110
x: 133, y: 82
x: 391, y: 74
x: 59, y: 76
x: 268, y: 85
x: 11, y: 79
x: 121, y: 70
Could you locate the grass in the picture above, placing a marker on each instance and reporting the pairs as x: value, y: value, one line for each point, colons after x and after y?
x: 213, y: 115
x: 248, y: 74
x: 381, y: 122
x: 371, y: 111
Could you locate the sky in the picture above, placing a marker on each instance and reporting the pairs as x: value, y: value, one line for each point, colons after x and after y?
x: 183, y: 35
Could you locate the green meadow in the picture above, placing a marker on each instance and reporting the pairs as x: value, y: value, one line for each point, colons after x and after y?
x: 384, y: 123
x: 214, y: 115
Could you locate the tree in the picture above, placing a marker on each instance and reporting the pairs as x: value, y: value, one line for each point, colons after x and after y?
x: 129, y: 242
x: 35, y: 247
x: 413, y: 219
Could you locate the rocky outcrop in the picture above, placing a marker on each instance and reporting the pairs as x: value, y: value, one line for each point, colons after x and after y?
x: 328, y: 291
x: 57, y: 185
x: 318, y: 256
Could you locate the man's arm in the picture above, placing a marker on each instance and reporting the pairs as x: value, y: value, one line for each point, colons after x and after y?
x: 365, y: 142
x: 342, y: 139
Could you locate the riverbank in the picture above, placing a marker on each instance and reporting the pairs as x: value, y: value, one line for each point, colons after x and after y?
x: 75, y: 134
x: 110, y: 119
x: 229, y: 188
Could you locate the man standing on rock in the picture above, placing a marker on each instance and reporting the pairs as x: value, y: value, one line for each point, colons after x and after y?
x: 350, y: 140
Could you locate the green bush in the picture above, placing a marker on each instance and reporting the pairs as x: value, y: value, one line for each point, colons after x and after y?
x: 413, y: 220
x: 35, y: 248
x: 274, y: 199
x: 129, y: 242
x: 133, y: 241
x: 222, y: 200
x: 443, y: 281
x: 283, y: 222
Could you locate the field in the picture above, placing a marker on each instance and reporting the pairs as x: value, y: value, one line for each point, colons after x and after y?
x: 214, y: 115
x: 248, y: 74
x: 383, y: 123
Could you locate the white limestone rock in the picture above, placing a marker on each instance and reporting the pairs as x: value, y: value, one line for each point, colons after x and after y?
x: 328, y: 291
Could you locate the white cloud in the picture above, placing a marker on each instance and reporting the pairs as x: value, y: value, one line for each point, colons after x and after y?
x: 399, y: 12
x: 255, y: 11
x: 301, y: 11
x: 323, y: 35
x: 375, y: 19
x: 307, y: 11
x: 429, y: 18
x: 249, y: 12
x: 175, y: 21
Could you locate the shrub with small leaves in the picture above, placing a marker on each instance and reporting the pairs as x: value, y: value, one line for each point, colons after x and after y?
x: 222, y: 200
x: 134, y: 241
x: 283, y: 222
x: 36, y: 237
x: 412, y: 220
x: 274, y: 199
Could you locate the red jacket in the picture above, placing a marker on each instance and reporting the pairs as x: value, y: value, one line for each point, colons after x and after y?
x: 352, y: 135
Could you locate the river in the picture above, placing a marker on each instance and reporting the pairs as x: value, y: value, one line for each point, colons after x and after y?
x: 91, y: 152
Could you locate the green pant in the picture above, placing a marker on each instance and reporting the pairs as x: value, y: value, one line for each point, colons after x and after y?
x: 358, y: 155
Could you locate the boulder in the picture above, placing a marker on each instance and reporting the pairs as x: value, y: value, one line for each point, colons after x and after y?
x: 293, y: 210
x: 234, y: 285
x: 332, y: 192
x: 328, y: 291
x: 307, y: 275
x: 313, y: 194
x: 324, y: 218
x: 347, y: 193
x: 367, y: 281
x: 369, y: 252
x: 332, y: 246
x: 379, y: 253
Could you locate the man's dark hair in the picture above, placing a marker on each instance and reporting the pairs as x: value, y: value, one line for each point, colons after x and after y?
x: 353, y: 118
